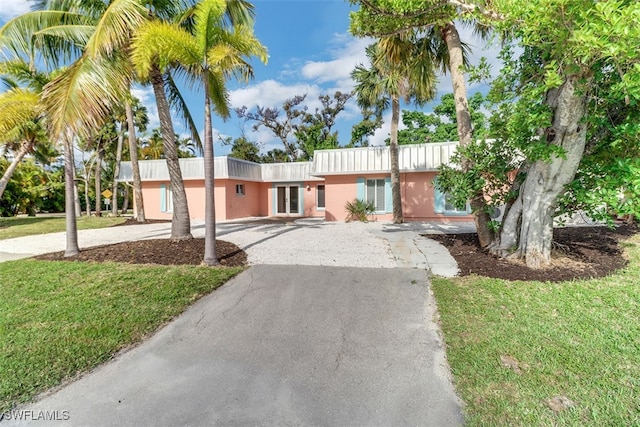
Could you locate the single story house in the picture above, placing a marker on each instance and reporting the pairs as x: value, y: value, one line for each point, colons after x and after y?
x: 320, y: 188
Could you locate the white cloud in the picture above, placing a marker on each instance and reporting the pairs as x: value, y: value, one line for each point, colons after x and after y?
x: 348, y: 53
x: 271, y: 93
x: 148, y: 99
x: 13, y: 8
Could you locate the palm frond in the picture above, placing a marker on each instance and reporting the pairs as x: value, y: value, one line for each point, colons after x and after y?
x: 18, y: 36
x: 178, y: 103
x: 80, y: 98
x: 218, y: 94
x: 115, y: 26
x: 207, y: 20
x: 17, y: 107
x: 164, y: 44
x: 77, y: 36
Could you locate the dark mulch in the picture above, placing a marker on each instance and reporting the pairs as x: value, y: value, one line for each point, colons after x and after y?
x: 133, y: 221
x: 156, y: 251
x: 582, y: 252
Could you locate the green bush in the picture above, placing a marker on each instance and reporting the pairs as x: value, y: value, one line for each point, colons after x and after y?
x: 359, y: 210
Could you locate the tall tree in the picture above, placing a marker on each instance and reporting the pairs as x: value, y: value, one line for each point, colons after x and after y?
x: 402, y: 67
x: 436, y: 20
x: 300, y: 130
x: 441, y: 124
x: 210, y: 54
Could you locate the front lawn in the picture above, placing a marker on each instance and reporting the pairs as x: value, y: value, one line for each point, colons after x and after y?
x: 28, y: 226
x: 536, y: 353
x: 62, y: 318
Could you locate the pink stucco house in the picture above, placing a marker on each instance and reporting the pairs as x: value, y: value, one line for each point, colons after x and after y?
x: 307, y: 189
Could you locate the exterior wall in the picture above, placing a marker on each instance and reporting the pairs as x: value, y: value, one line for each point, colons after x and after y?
x: 311, y: 200
x: 341, y: 189
x: 309, y: 206
x: 418, y: 197
x: 152, y: 204
x: 242, y: 206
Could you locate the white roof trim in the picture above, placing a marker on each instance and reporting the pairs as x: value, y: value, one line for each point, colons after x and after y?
x: 342, y: 161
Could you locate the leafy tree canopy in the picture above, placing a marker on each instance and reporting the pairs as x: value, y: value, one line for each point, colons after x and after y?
x: 440, y: 125
x: 300, y: 131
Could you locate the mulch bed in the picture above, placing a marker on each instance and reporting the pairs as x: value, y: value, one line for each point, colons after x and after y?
x: 156, y: 251
x: 582, y: 252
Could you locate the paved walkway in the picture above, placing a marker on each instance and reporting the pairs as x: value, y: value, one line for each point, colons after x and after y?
x: 332, y: 325
x: 280, y: 345
x: 305, y: 242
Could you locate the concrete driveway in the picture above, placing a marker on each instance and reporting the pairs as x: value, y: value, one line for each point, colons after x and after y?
x: 282, y: 242
x: 280, y: 345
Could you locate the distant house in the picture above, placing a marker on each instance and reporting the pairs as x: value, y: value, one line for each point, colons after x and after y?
x: 306, y: 189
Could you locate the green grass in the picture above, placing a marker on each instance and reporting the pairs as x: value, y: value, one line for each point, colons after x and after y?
x: 62, y: 318
x: 29, y: 226
x: 577, y: 339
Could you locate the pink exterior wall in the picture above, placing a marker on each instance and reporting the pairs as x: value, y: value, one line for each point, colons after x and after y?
x: 417, y: 194
x: 248, y: 205
x: 228, y: 205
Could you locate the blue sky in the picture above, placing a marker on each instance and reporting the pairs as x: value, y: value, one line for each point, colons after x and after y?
x: 310, y: 51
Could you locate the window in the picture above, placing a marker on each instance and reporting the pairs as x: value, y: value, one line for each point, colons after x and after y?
x: 376, y: 193
x: 166, y: 198
x: 239, y: 189
x: 444, y: 204
x: 320, y: 197
x: 450, y: 208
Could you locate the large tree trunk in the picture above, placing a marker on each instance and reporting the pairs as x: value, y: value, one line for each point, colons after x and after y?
x: 181, y: 222
x: 98, y: 181
x: 116, y: 172
x: 528, y: 226
x: 210, y: 257
x: 133, y: 155
x: 465, y: 126
x: 69, y: 202
x: 24, y: 149
x: 396, y: 195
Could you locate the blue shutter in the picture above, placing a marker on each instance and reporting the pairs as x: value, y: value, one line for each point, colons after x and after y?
x: 163, y: 198
x: 438, y: 197
x: 360, y: 185
x: 388, y: 196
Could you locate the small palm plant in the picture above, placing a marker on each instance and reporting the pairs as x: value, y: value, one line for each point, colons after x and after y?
x: 359, y: 210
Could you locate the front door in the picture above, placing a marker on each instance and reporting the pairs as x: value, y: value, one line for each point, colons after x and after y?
x: 288, y: 200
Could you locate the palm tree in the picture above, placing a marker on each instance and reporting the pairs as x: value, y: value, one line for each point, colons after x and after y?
x: 212, y: 52
x: 402, y: 67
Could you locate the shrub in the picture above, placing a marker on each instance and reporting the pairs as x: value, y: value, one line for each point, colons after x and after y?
x: 359, y: 210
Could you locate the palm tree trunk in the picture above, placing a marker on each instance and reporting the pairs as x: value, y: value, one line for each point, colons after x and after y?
x: 87, y: 201
x: 210, y: 257
x: 69, y: 202
x: 465, y: 127
x: 116, y: 172
x: 396, y: 195
x: 76, y: 196
x: 26, y: 147
x: 125, y: 203
x: 133, y: 155
x: 98, y: 181
x: 181, y: 222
